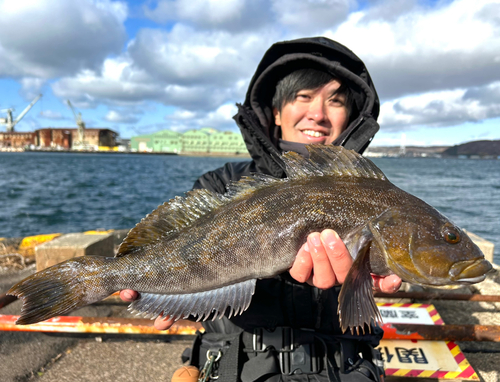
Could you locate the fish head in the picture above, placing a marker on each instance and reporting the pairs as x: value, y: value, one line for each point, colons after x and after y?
x: 423, y: 247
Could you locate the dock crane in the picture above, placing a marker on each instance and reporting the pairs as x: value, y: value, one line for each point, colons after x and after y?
x: 80, y: 124
x: 9, y: 121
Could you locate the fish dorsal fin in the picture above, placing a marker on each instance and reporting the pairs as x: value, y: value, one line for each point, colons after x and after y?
x: 249, y: 184
x: 170, y: 217
x: 331, y: 161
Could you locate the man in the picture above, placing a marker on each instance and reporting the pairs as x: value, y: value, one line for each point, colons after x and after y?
x: 307, y: 91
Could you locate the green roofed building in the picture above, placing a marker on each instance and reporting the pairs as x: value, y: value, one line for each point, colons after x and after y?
x: 167, y: 141
x: 196, y: 141
x: 142, y: 143
x: 226, y: 142
x: 206, y: 140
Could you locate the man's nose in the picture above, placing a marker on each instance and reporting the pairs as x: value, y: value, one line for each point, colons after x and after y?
x: 316, y: 110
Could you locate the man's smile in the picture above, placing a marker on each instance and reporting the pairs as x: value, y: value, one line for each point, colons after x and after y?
x: 312, y: 133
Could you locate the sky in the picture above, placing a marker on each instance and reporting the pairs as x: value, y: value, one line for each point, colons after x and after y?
x: 138, y: 67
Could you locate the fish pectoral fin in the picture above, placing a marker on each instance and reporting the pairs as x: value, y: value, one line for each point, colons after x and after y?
x: 201, y: 304
x: 357, y: 306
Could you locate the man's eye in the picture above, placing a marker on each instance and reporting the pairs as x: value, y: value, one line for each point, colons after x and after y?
x: 337, y: 101
x: 303, y: 96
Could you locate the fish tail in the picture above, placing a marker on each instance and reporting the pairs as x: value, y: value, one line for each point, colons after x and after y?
x: 60, y: 289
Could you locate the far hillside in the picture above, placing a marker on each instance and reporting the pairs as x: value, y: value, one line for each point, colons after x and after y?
x: 475, y: 148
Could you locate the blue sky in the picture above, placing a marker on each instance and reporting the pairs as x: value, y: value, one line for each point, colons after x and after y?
x: 142, y: 66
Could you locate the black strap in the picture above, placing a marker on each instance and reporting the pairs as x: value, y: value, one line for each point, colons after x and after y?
x: 262, y: 365
x: 359, y: 137
x: 229, y: 362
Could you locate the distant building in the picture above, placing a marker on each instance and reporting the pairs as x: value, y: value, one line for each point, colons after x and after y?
x: 195, y: 141
x: 226, y: 142
x: 66, y: 137
x: 16, y: 139
x: 165, y: 141
x: 142, y: 143
x: 205, y: 140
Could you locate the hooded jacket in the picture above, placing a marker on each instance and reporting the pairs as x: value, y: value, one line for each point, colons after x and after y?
x: 255, y: 118
x: 281, y: 301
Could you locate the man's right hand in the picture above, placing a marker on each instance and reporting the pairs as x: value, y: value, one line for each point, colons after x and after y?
x: 129, y: 295
x: 324, y: 261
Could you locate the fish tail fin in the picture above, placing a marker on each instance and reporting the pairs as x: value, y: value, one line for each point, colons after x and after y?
x: 59, y: 289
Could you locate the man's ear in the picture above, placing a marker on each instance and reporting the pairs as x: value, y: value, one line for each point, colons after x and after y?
x: 277, y: 117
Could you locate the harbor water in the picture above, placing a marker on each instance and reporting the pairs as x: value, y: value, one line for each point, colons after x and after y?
x: 44, y: 193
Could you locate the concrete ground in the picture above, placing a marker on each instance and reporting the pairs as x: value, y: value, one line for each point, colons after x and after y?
x: 58, y: 358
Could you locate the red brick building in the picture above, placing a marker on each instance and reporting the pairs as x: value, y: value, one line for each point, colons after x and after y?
x: 57, y: 137
x: 17, y: 139
x: 66, y: 137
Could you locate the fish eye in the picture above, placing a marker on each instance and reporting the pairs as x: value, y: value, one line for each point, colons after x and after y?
x: 451, y: 236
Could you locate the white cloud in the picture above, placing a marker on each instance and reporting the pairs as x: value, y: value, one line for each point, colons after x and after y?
x: 220, y: 119
x: 444, y: 108
x: 185, y: 56
x: 310, y: 17
x: 48, y: 38
x: 184, y: 68
x: 452, y: 46
x: 231, y: 15
x: 117, y: 83
x: 31, y: 87
x: 181, y: 115
x: 120, y: 117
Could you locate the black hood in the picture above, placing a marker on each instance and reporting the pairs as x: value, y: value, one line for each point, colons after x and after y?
x: 255, y: 117
x: 318, y: 53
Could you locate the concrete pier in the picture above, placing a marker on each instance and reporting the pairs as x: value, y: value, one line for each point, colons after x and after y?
x: 72, y: 245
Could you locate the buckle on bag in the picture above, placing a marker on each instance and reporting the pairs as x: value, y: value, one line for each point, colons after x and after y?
x: 281, y: 339
x: 293, y: 358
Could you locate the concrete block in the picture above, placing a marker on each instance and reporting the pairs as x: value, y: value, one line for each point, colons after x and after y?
x: 73, y: 245
x: 487, y: 247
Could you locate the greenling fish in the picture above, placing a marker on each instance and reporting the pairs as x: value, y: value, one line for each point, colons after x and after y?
x: 201, y: 254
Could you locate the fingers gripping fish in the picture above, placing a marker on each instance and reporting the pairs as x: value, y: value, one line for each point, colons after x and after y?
x: 200, y: 255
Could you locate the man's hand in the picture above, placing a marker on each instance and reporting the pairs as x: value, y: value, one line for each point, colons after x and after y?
x: 324, y: 261
x: 129, y: 295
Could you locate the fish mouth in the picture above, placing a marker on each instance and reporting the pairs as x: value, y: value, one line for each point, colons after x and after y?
x: 472, y: 280
x: 470, y: 272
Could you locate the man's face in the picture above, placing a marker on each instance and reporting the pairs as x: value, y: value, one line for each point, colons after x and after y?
x: 315, y: 116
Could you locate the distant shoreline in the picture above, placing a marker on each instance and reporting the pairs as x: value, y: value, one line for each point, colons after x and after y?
x: 188, y: 154
x: 473, y: 150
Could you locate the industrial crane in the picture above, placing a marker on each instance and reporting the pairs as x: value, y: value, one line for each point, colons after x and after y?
x: 9, y: 121
x: 80, y: 124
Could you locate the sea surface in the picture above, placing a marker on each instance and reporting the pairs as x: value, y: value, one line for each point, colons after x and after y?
x: 44, y: 193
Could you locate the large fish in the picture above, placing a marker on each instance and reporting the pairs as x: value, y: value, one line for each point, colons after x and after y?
x: 201, y: 254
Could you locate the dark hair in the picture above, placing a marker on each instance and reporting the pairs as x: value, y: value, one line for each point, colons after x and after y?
x: 288, y: 87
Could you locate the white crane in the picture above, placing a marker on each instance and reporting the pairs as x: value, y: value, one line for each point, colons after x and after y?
x: 9, y: 121
x: 80, y: 124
